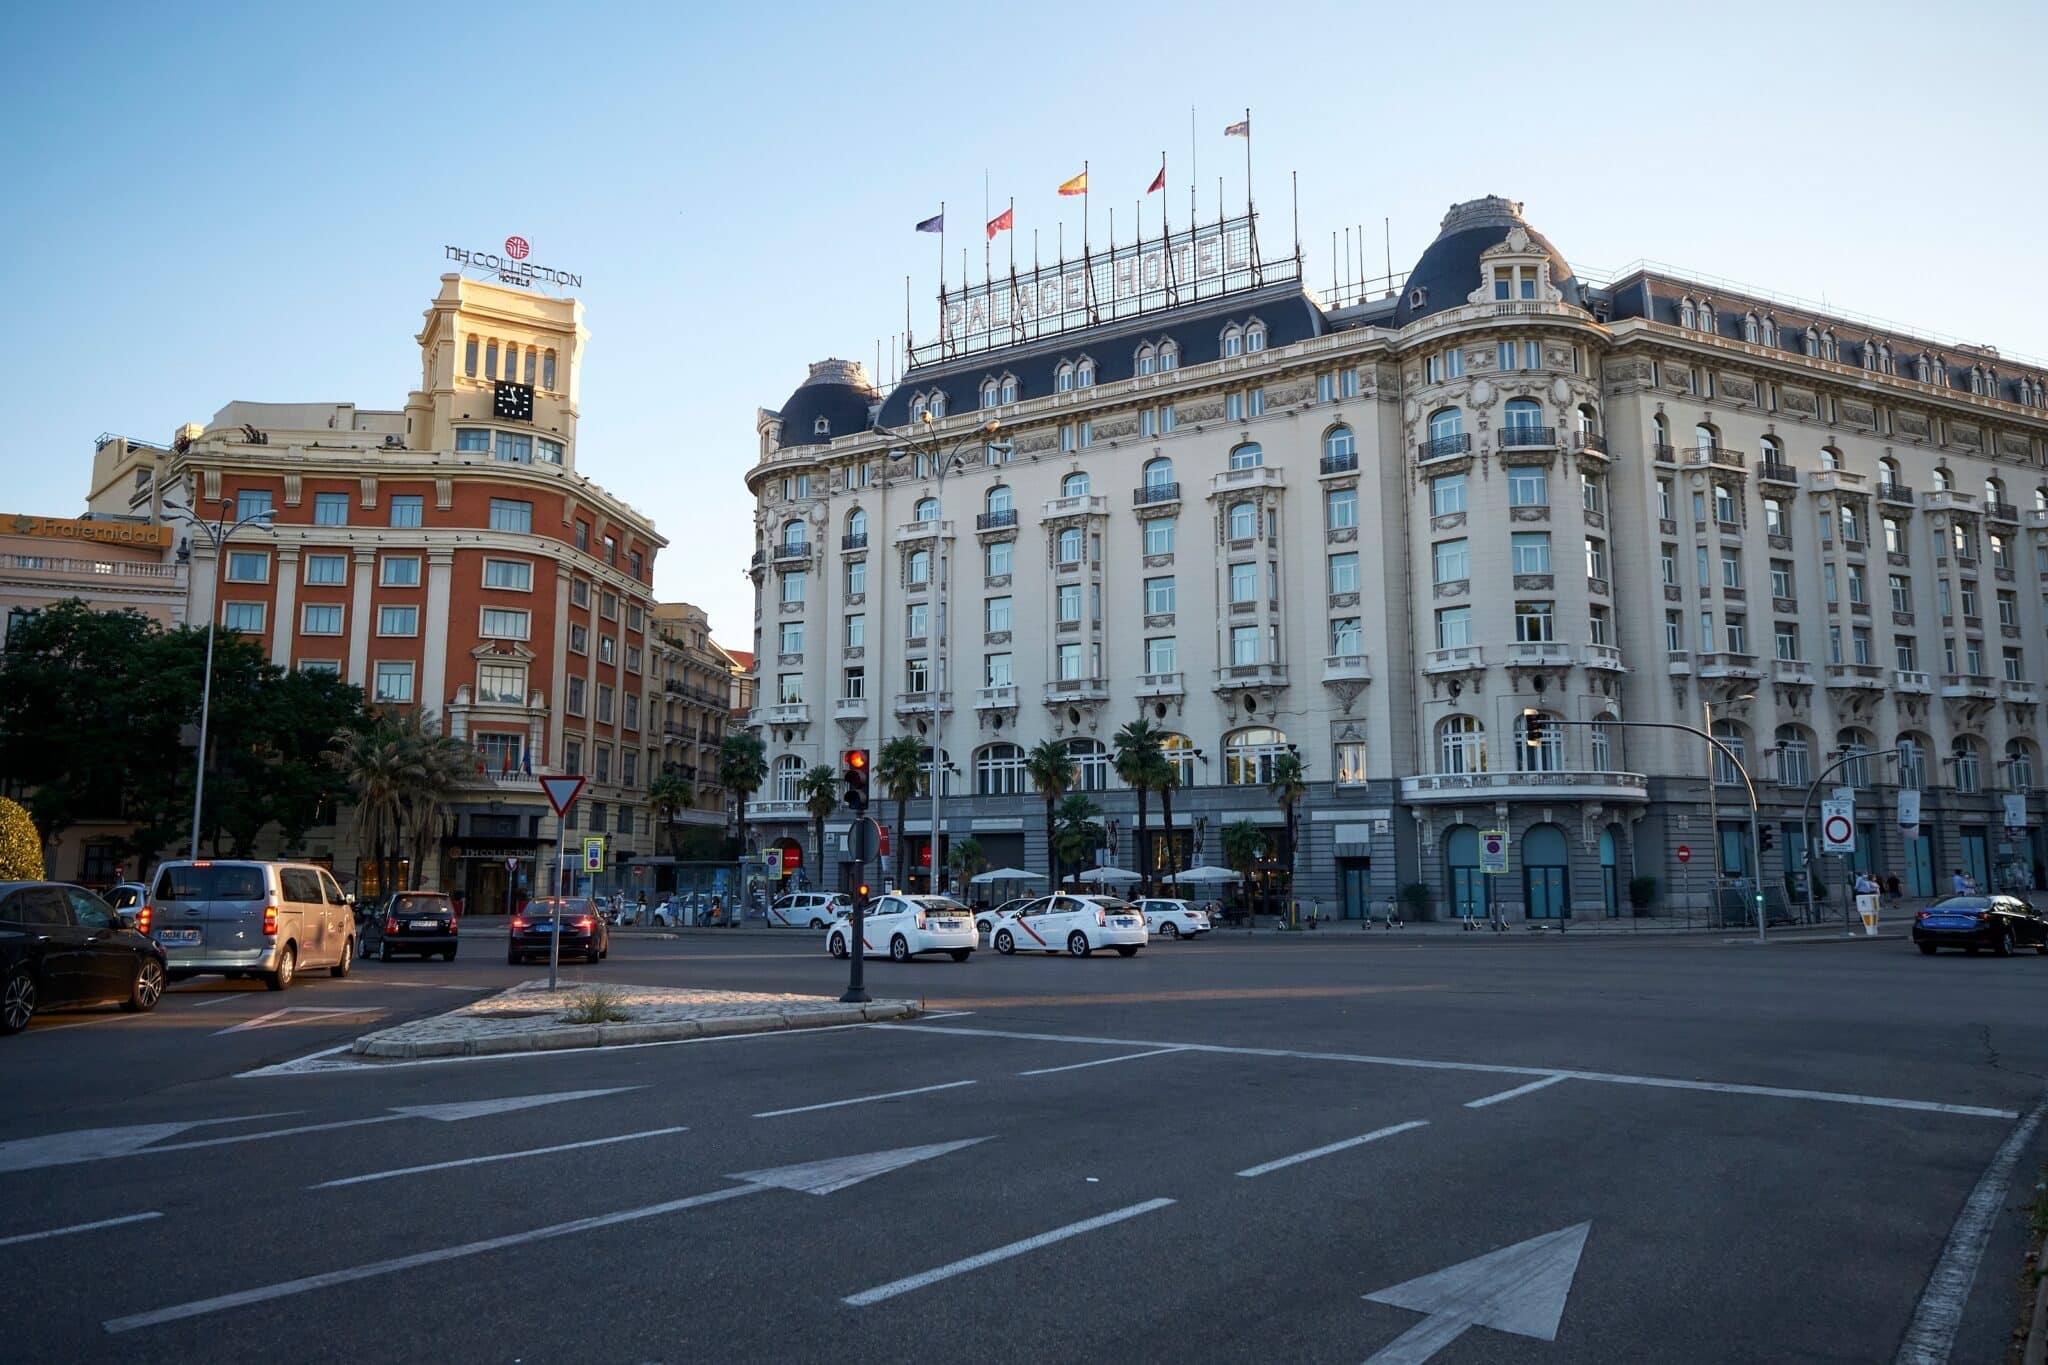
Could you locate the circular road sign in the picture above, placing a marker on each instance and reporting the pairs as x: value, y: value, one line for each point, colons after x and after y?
x: 1836, y: 829
x: 1494, y: 843
x: 1684, y: 853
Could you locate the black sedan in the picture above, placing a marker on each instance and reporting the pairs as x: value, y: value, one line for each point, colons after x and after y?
x: 62, y: 945
x: 2000, y: 923
x: 582, y: 930
x: 421, y: 922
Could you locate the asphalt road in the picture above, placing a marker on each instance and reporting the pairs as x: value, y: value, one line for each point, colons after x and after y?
x: 1216, y: 1151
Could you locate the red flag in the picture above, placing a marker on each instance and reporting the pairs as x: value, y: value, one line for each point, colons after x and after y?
x: 1000, y: 223
x: 1159, y: 180
x: 1078, y: 185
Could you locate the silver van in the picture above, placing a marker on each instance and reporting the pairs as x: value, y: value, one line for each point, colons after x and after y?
x: 247, y: 918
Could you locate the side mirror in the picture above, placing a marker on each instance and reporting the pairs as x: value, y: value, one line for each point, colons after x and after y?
x: 348, y: 898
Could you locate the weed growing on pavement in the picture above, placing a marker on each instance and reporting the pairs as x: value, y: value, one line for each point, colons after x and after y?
x: 595, y: 1005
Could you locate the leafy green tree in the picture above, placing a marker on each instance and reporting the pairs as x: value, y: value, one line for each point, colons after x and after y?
x: 21, y: 848
x: 820, y: 790
x: 1244, y: 844
x: 1076, y: 831
x: 1051, y: 769
x: 1138, y: 760
x: 272, y: 730
x: 742, y: 768
x: 899, y: 767
x: 1288, y: 784
x: 401, y: 770
x: 667, y: 795
x: 967, y: 860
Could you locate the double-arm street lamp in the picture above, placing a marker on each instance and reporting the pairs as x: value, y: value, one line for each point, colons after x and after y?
x: 923, y: 441
x: 218, y: 533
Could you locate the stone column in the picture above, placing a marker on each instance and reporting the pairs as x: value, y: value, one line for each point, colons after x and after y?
x: 434, y: 685
x: 361, y: 623
x: 284, y: 623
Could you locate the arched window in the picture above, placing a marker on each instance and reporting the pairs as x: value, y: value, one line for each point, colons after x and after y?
x: 1248, y: 755
x: 793, y: 535
x: 927, y: 509
x: 1855, y: 747
x: 999, y: 771
x: 1247, y: 456
x: 491, y: 358
x: 547, y: 372
x: 1704, y: 437
x: 1600, y: 746
x: 1009, y: 388
x: 920, y: 407
x: 1074, y: 485
x: 1709, y: 321
x: 1180, y: 756
x: 1158, y: 473
x: 1887, y: 473
x: 1069, y: 545
x: 1913, y: 760
x: 1091, y: 764
x: 1446, y: 424
x: 1339, y: 445
x: 998, y: 500
x: 1660, y: 432
x: 1243, y: 521
x: 1830, y: 458
x: 1233, y: 340
x: 1460, y: 745
x: 511, y: 361
x: 1966, y: 756
x: 1923, y: 368
x: 1829, y: 350
x: 1539, y: 745
x: 919, y: 570
x: 1752, y: 330
x: 1737, y: 740
x: 1255, y: 337
x: 2019, y: 765
x: 1148, y: 359
x: 1063, y: 377
x: 469, y: 356
x: 1770, y: 451
x: 1688, y: 316
x: 1944, y: 482
x: 789, y: 772
x: 1523, y: 414
x: 1795, y: 757
x: 1813, y: 343
x: 1994, y: 491
x: 856, y: 522
x: 1169, y: 356
x: 938, y: 405
x: 990, y: 393
x: 1084, y: 374
x: 2041, y: 498
x: 1589, y: 420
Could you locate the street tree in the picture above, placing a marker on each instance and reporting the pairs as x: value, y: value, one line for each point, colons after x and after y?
x: 1076, y: 831
x: 667, y: 795
x: 1137, y: 760
x: 1288, y: 784
x: 742, y: 768
x: 21, y: 848
x: 270, y: 731
x: 1165, y: 779
x: 966, y: 859
x: 1244, y: 844
x: 819, y: 789
x: 899, y: 767
x: 1051, y: 769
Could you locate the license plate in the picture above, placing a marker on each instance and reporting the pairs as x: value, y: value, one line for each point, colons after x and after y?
x: 424, y: 926
x: 176, y: 938
x: 1951, y: 922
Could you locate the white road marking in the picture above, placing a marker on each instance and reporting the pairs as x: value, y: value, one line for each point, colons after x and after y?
x: 1101, y: 1061
x: 211, y: 998
x: 317, y: 1062
x: 476, y: 1109
x: 1516, y: 1093
x: 495, y: 1157
x: 868, y: 1297
x: 861, y: 1099
x: 1932, y: 1333
x: 1520, y: 1289
x: 1482, y: 1068
x: 816, y: 1177
x: 950, y: 1014
x: 94, y: 1144
x: 77, y: 1227
x: 1348, y: 1143
x: 278, y: 1019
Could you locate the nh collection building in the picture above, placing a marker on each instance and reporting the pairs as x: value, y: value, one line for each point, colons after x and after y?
x: 1452, y: 545
x: 444, y: 555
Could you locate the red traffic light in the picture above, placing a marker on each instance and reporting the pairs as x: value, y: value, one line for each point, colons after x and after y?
x: 857, y: 759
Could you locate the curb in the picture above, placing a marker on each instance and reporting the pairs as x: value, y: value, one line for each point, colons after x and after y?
x: 2036, y: 1351
x: 615, y: 1035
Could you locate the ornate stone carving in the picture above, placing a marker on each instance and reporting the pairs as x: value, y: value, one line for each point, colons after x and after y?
x: 1298, y: 392
x: 1913, y: 426
x: 1737, y: 388
x: 1345, y: 690
x: 1033, y: 442
x: 1201, y: 410
x: 1528, y: 514
x: 1455, y: 588
x: 2014, y: 443
x: 1115, y: 428
x: 1344, y: 535
x: 1343, y: 599
x: 1856, y: 412
x: 1450, y: 521
x: 1799, y: 402
x: 996, y: 637
x: 1159, y: 620
x: 1535, y: 582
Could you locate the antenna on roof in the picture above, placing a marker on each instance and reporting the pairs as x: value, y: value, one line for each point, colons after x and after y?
x: 1347, y: 255
x: 1387, y: 235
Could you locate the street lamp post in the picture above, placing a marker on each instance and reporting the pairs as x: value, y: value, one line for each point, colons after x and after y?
x: 1806, y: 812
x: 217, y: 534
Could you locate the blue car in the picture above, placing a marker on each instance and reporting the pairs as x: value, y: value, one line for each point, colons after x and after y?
x: 1974, y: 923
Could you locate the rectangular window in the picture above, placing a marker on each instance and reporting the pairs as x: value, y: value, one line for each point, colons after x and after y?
x: 607, y: 648
x: 1859, y: 642
x: 511, y: 514
x: 1596, y: 557
x: 514, y: 575
x: 327, y: 570
x: 1528, y: 486
x: 500, y: 623
x: 1970, y: 610
x: 1724, y: 505
x: 1827, y: 583
x: 916, y: 621
x: 1069, y: 662
x: 1344, y: 571
x: 1699, y: 566
x: 330, y: 667
x: 1973, y: 656
x: 1244, y: 645
x: 792, y: 637
x: 793, y: 586
x: 1674, y: 631
x: 1340, y: 508
x: 246, y: 617
x: 1162, y: 654
x: 1507, y: 348
x: 1244, y: 583
x: 998, y: 557
x: 1774, y: 517
x: 1785, y: 640
x: 629, y: 715
x: 996, y: 614
x: 1535, y: 622
x: 995, y: 671
x: 1781, y: 578
x: 856, y: 578
x: 1452, y: 563
x: 1347, y: 382
x: 251, y: 502
x: 574, y: 696
x: 393, y: 681
x: 854, y: 685
x: 398, y: 620
x: 501, y: 683
x: 408, y: 511
x: 1664, y: 499
x: 605, y: 695
x: 1257, y: 402
x: 579, y: 638
x: 1446, y: 495
x: 608, y: 606
x: 1834, y: 644
x: 1159, y: 536
x: 1599, y: 628
x: 1738, y: 635
x: 1902, y: 593
x: 515, y: 447
x: 2008, y: 609
x: 1069, y: 604
x: 1233, y: 407
x: 1350, y: 768
x: 399, y: 571
x: 1453, y: 627
x: 248, y: 566
x: 549, y: 452
x: 1857, y: 595
x: 1667, y: 565
x: 1346, y: 636
x: 2015, y: 666
x: 629, y: 775
x: 1531, y: 551
x: 857, y: 631
x: 320, y: 619
x: 1159, y: 596
x: 330, y: 509
x: 602, y: 772
x: 1731, y: 569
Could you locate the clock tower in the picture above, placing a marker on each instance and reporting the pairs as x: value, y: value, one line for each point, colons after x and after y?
x: 497, y: 355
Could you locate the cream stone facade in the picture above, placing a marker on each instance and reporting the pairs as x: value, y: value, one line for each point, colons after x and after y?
x: 1403, y: 537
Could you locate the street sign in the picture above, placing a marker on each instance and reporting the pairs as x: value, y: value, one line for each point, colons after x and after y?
x: 1493, y: 851
x: 771, y: 862
x: 561, y: 791
x: 862, y: 840
x: 1837, y: 827
x: 593, y: 854
x: 511, y: 864
x: 1685, y: 853
x: 2016, y: 810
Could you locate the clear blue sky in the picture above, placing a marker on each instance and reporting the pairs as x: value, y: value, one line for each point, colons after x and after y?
x: 211, y: 203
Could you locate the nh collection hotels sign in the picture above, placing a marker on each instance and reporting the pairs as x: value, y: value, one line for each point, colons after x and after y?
x: 511, y: 266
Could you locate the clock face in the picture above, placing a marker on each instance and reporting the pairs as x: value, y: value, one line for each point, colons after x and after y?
x: 513, y: 401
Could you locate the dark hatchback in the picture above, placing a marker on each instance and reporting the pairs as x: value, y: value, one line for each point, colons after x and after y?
x: 62, y: 945
x: 1997, y: 923
x: 584, y: 933
x: 421, y: 922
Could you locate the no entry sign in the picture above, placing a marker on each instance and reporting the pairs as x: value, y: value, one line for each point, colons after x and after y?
x: 1837, y: 827
x: 1685, y: 853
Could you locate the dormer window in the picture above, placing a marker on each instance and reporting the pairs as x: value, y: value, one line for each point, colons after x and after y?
x: 989, y: 393
x: 1708, y: 322
x: 920, y: 408
x: 1233, y: 340
x: 1923, y: 370
x: 1009, y: 388
x: 1169, y: 356
x: 1063, y: 377
x: 822, y: 427
x: 1418, y: 298
x: 1148, y: 360
x: 1813, y: 343
x: 1514, y: 282
x: 938, y: 405
x: 1084, y: 374
x: 1688, y: 316
x: 1828, y: 350
x: 1255, y: 337
x: 1752, y: 330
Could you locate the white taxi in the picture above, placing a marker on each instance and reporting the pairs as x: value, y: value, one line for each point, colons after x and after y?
x: 1073, y: 924
x: 905, y: 926
x: 1171, y: 918
x: 987, y: 920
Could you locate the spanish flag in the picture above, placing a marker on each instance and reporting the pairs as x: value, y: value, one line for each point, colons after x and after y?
x: 1078, y: 185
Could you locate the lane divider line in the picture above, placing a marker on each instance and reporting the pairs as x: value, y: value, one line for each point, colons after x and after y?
x: 1517, y: 1092
x: 1102, y: 1061
x: 1281, y: 1163
x: 909, y: 1283
x: 861, y: 1099
x: 20, y: 1237
x: 495, y: 1157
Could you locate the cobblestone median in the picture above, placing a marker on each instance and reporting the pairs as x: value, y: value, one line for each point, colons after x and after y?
x: 529, y: 1018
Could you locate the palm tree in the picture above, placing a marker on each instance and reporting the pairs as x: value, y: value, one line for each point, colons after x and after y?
x: 369, y: 761
x: 666, y: 795
x: 1075, y: 829
x: 966, y: 860
x: 1165, y: 777
x: 435, y: 765
x: 1051, y: 769
x: 742, y: 768
x: 899, y: 767
x: 1244, y: 843
x: 1288, y: 785
x: 820, y: 790
x: 1137, y: 762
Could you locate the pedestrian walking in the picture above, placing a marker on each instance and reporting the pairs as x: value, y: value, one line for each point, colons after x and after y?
x: 1958, y: 883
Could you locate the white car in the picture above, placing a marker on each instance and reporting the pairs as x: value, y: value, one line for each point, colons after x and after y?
x: 987, y: 920
x: 809, y: 909
x: 1073, y: 924
x: 905, y: 926
x: 1173, y: 918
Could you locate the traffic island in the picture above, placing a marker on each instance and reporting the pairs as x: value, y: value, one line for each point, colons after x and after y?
x: 530, y: 1018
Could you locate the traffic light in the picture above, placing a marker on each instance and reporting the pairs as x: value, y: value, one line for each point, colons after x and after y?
x: 855, y: 761
x: 1766, y: 838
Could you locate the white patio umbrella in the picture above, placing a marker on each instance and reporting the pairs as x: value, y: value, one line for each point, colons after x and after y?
x: 1108, y: 875
x: 1005, y: 874
x: 1204, y: 876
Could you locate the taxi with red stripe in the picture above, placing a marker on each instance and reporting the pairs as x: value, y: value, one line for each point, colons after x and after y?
x: 908, y: 926
x: 1076, y: 925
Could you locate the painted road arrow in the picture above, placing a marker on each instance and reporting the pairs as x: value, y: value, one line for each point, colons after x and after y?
x: 814, y: 1177
x: 1519, y: 1289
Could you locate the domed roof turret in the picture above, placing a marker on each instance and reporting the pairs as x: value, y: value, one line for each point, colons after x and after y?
x: 1448, y: 271
x: 833, y: 401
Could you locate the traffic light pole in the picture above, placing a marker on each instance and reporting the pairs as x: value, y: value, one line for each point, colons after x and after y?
x: 860, y: 841
x: 856, y: 980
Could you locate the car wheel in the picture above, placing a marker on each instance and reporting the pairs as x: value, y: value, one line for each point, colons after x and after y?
x: 1926, y: 949
x: 899, y: 949
x: 817, y: 923
x: 17, y: 1001
x: 981, y: 925
x: 348, y: 958
x: 287, y: 969
x: 836, y: 945
x: 961, y: 954
x: 1126, y: 951
x: 383, y: 952
x: 512, y: 959
x: 2004, y: 948
x: 1077, y: 944
x: 1004, y: 943
x: 148, y: 988
x: 1170, y: 929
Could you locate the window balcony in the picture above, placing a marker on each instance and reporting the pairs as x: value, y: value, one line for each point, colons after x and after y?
x: 777, y: 810
x: 1238, y: 480
x: 1664, y: 454
x: 1969, y: 686
x: 793, y: 552
x: 1720, y: 455
x: 1911, y: 682
x: 996, y: 521
x: 1250, y: 675
x: 1772, y: 471
x: 1064, y: 690
x: 922, y: 530
x: 1531, y: 653
x: 1347, y: 668
x: 1443, y: 447
x: 1947, y: 500
x: 1520, y: 437
x: 2021, y: 693
x: 1855, y: 677
x: 1896, y: 493
x: 1605, y: 656
x: 850, y: 708
x: 1153, y: 494
x: 2002, y: 511
x: 920, y: 703
x: 1080, y: 505
x: 995, y: 698
x: 1589, y: 443
x: 1340, y: 464
x: 1461, y: 659
x: 786, y: 713
x: 1160, y: 685
x: 1795, y: 671
x: 854, y: 543
x: 1444, y: 788
x: 1729, y: 665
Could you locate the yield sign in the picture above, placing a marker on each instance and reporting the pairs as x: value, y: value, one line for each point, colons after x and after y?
x: 1519, y: 1289
x: 561, y: 791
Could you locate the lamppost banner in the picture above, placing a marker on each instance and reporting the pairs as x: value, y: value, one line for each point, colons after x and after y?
x: 1909, y: 813
x: 2016, y: 810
